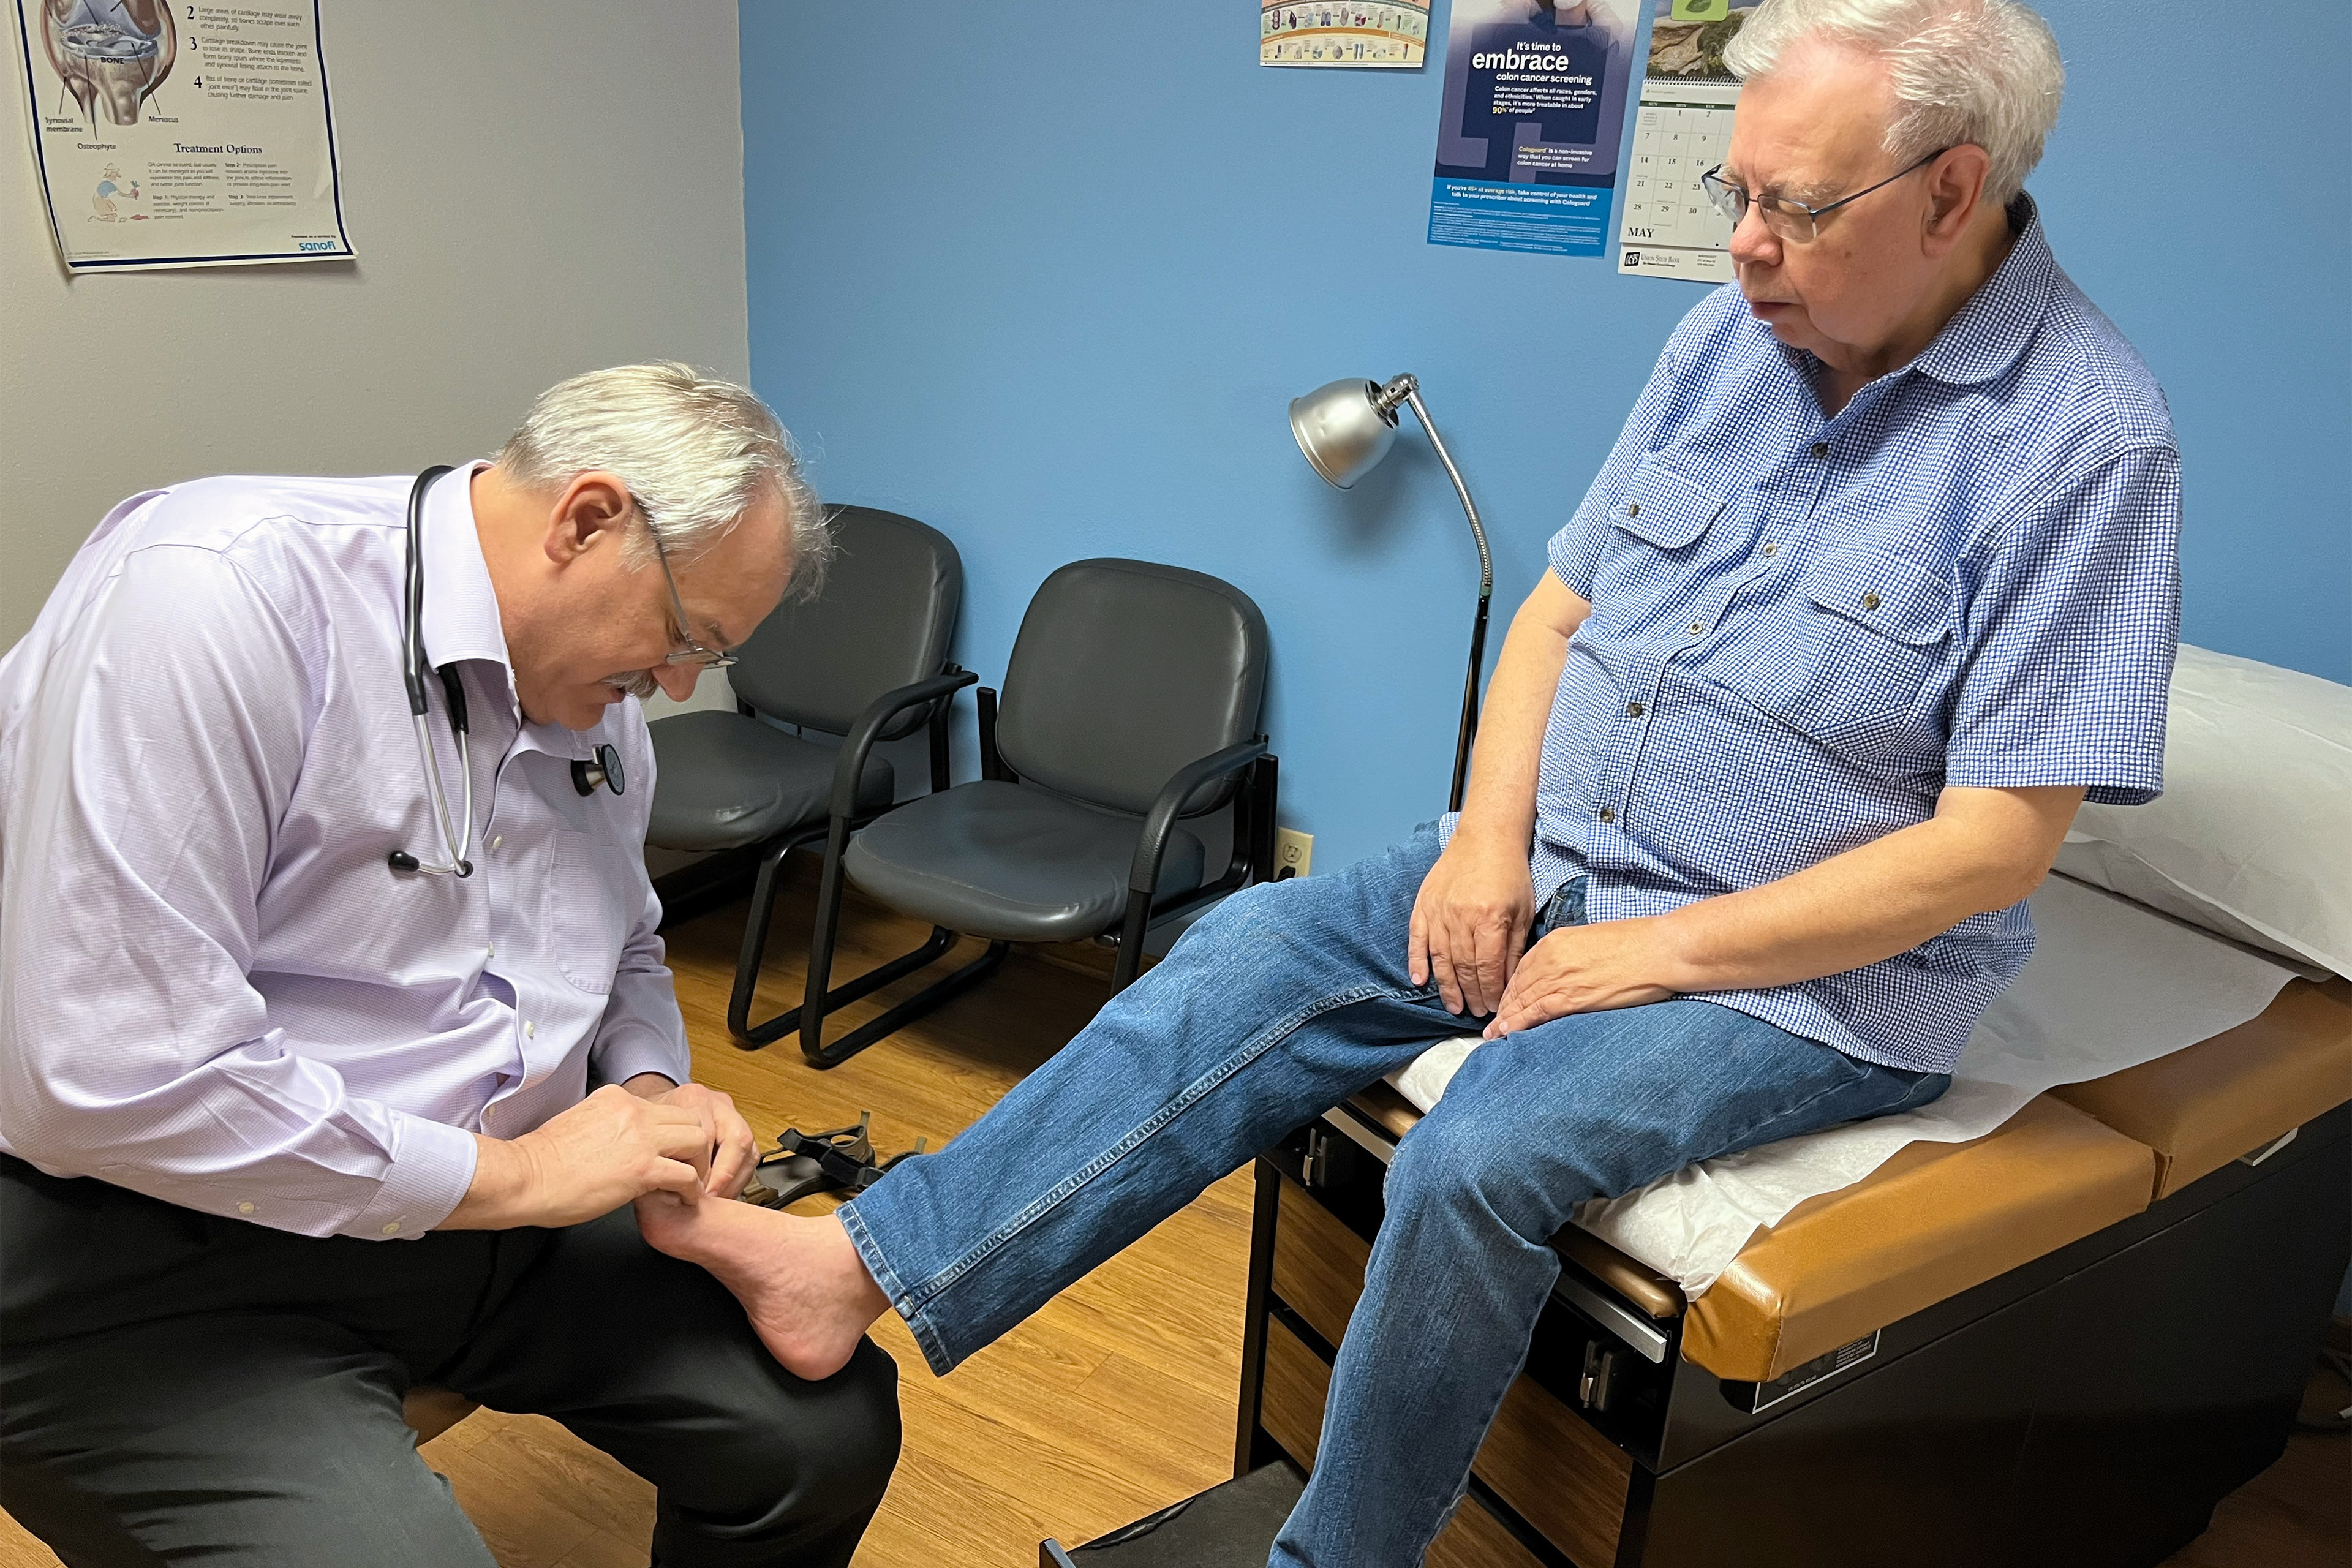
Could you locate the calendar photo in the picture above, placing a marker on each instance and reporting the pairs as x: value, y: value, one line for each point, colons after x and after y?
x: 1682, y: 128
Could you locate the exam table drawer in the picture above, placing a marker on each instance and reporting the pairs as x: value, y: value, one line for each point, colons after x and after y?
x: 1561, y: 1475
x: 1295, y: 1383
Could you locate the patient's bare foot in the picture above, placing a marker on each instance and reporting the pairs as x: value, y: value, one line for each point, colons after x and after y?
x: 800, y: 1280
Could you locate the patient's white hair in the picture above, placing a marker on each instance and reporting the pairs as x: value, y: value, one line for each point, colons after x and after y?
x: 694, y: 451
x: 1982, y: 71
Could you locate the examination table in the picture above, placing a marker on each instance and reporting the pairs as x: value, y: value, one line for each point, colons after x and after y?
x: 2062, y: 1343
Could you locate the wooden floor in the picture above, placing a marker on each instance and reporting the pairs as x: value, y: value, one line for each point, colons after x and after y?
x: 1115, y: 1399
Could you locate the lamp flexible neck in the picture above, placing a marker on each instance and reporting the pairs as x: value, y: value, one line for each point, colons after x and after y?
x: 1411, y: 397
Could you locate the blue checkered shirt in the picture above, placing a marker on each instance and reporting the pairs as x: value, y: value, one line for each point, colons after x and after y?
x: 1803, y: 628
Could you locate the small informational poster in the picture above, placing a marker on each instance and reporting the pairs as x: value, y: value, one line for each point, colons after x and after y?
x: 1681, y: 130
x: 1533, y: 108
x: 1387, y: 37
x: 182, y: 135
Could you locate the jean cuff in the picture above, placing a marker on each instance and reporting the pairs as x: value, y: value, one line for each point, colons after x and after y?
x: 918, y: 1319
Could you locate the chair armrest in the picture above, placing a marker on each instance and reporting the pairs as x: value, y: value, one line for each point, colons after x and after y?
x: 859, y: 743
x: 1144, y: 876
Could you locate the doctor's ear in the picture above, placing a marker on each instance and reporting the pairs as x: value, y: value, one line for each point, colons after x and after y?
x: 590, y: 512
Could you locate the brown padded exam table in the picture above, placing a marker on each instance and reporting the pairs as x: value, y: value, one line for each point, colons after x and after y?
x: 2060, y: 1343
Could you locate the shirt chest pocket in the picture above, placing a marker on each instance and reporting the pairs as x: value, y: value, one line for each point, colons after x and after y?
x: 591, y: 895
x: 1659, y: 544
x: 1846, y: 657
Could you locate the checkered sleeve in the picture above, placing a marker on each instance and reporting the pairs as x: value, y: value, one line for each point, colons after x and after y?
x: 2071, y: 623
x: 1575, y: 551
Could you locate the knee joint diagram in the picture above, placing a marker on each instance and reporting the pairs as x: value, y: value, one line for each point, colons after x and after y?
x: 109, y: 54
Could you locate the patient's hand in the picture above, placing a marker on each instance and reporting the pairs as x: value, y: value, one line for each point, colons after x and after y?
x: 1584, y: 969
x: 1470, y: 922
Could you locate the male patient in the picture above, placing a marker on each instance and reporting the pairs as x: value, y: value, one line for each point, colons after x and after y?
x: 1878, y: 582
x: 256, y: 1041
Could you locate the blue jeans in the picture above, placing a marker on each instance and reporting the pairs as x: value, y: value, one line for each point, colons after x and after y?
x: 1279, y: 1004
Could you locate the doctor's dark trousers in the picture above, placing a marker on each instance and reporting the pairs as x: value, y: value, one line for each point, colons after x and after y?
x: 176, y: 1387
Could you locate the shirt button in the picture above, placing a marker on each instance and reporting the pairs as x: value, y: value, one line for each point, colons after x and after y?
x: 1870, y: 600
x: 529, y: 1028
x: 1634, y: 510
x: 391, y: 1229
x: 1821, y: 448
x: 1698, y: 627
x: 501, y: 839
x: 1607, y: 814
x: 244, y: 1208
x: 1634, y: 709
x: 1772, y: 549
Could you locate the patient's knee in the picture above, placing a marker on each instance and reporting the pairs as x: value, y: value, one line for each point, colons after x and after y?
x: 1460, y: 1168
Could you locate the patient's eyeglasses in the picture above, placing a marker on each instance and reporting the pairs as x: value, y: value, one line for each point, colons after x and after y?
x: 1793, y: 221
x: 693, y: 652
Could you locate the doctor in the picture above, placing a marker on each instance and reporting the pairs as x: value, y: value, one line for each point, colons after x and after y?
x: 335, y: 1038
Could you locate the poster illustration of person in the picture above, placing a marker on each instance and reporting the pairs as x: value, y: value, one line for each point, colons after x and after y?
x: 1533, y: 111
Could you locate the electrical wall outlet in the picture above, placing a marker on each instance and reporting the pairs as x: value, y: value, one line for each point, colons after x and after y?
x: 1292, y: 852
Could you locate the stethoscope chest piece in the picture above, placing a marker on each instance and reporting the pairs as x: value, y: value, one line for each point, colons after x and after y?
x: 603, y: 768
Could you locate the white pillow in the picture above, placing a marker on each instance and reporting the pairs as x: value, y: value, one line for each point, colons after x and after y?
x: 2252, y: 836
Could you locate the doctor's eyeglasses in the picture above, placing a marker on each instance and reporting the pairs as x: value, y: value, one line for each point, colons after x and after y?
x: 693, y: 652
x: 1793, y: 221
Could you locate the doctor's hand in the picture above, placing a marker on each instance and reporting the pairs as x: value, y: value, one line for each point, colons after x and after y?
x: 610, y: 1148
x: 733, y: 1151
x: 1470, y: 922
x: 1584, y: 969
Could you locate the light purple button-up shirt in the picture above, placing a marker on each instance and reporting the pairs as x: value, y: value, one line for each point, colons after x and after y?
x: 212, y: 988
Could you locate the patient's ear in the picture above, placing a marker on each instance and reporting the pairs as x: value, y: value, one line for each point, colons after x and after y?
x: 587, y: 517
x: 1955, y: 191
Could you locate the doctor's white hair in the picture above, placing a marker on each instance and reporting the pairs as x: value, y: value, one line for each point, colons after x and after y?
x: 694, y: 451
x: 1981, y: 71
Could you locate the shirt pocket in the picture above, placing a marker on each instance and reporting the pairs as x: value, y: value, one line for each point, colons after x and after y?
x: 1663, y: 509
x: 590, y: 903
x: 1656, y: 547
x: 1847, y: 660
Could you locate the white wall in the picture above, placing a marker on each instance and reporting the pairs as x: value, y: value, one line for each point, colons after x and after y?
x: 534, y: 187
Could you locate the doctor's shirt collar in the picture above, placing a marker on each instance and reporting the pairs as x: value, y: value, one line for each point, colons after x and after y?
x: 461, y: 608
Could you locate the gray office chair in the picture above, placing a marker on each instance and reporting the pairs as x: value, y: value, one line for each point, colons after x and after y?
x: 873, y: 647
x: 1131, y: 701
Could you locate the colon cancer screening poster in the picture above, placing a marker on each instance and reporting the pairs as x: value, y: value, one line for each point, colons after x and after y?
x: 1527, y: 136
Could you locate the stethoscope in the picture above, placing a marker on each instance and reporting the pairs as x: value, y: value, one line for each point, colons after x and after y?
x: 458, y: 842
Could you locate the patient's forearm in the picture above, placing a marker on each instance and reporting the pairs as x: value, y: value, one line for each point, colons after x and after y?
x: 1500, y: 804
x: 1984, y: 850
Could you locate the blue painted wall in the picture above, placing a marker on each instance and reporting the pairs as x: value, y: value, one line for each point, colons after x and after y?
x: 1045, y: 276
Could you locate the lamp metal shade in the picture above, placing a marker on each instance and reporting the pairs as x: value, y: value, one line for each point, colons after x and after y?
x: 1342, y: 431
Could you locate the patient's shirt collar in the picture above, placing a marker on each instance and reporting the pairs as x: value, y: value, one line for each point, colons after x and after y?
x: 1990, y: 331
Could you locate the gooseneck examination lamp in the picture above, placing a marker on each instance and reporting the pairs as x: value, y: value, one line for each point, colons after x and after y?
x: 1346, y: 428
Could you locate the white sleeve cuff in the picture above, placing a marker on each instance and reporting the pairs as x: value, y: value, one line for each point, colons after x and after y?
x: 635, y: 1045
x: 432, y: 1166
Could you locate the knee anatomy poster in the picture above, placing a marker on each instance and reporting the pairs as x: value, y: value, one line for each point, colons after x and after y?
x: 1527, y: 136
x: 171, y: 134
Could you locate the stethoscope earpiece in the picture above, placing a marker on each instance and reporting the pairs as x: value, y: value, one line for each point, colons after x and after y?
x: 401, y: 860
